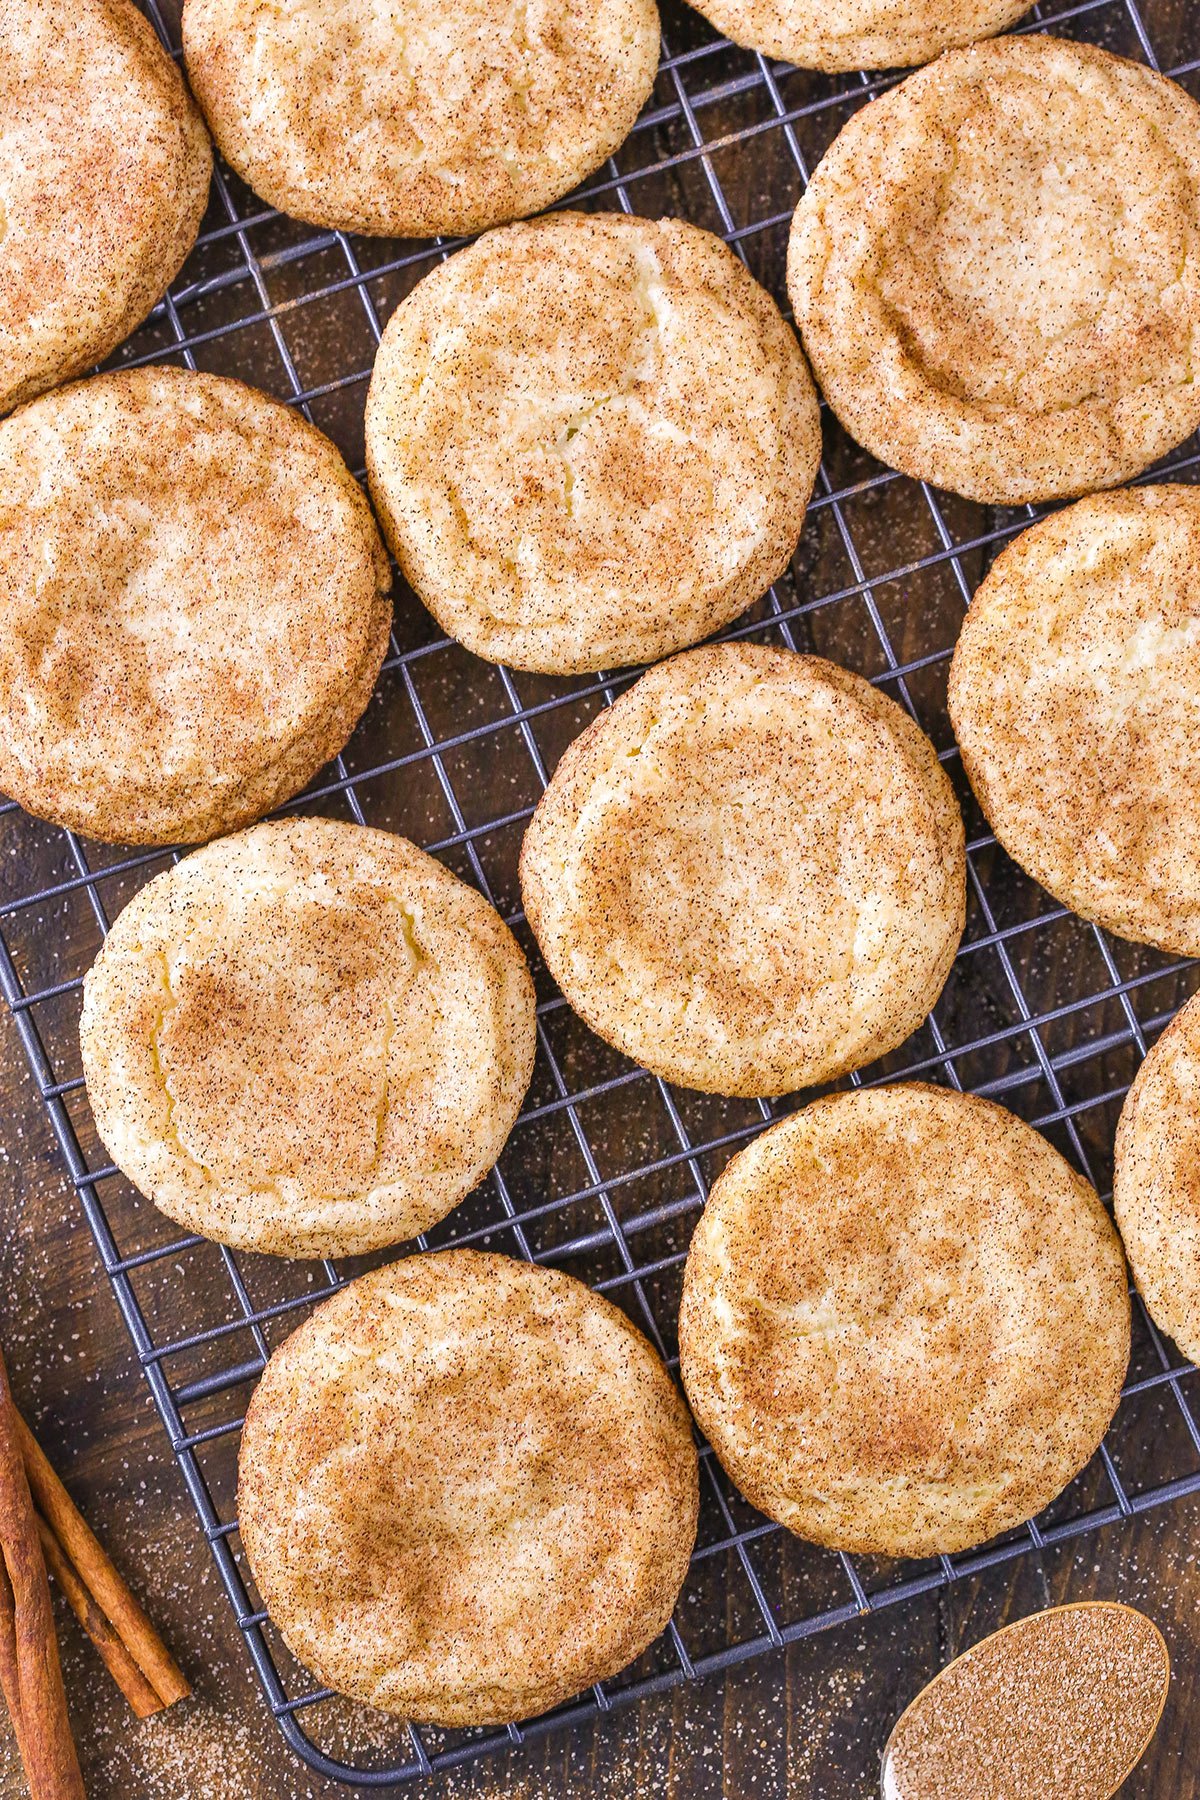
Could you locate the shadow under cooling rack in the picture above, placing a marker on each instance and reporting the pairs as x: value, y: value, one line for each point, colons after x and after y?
x: 607, y: 1168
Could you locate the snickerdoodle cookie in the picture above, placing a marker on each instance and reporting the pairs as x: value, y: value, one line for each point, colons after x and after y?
x: 411, y: 120
x: 195, y: 605
x: 905, y: 1321
x: 591, y: 440
x: 1075, y: 694
x: 104, y: 172
x: 858, y: 34
x: 468, y: 1489
x: 1156, y: 1185
x: 996, y: 270
x: 749, y: 873
x: 309, y: 1038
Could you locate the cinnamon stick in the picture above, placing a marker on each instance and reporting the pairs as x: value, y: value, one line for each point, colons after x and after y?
x: 98, y: 1576
x: 119, y: 1663
x: 9, y: 1681
x: 37, y: 1699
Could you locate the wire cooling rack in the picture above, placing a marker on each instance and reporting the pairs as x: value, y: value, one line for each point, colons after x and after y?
x: 608, y: 1167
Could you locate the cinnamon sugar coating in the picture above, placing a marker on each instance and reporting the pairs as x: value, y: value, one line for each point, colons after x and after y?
x: 1058, y: 1706
x: 905, y: 1321
x: 104, y: 173
x: 195, y: 604
x: 467, y: 1489
x: 859, y: 34
x: 411, y: 120
x: 748, y: 874
x: 1075, y: 696
x: 1156, y: 1182
x: 309, y: 1038
x: 591, y: 440
x: 996, y: 270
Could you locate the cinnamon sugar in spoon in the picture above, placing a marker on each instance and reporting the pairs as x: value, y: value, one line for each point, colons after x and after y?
x: 1059, y: 1706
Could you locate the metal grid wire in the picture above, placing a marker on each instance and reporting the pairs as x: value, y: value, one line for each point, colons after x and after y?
x: 608, y: 1167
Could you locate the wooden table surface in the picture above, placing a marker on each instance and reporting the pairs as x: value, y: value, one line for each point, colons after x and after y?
x: 806, y: 1723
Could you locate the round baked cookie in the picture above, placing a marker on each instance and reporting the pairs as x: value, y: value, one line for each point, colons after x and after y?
x: 467, y: 1489
x: 591, y: 440
x: 749, y: 873
x: 996, y: 270
x: 195, y: 605
x: 1156, y: 1183
x: 309, y: 1038
x: 858, y: 34
x: 104, y: 172
x: 411, y: 120
x: 1075, y: 695
x: 905, y: 1321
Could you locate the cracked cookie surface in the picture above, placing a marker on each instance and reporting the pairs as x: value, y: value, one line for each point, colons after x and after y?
x: 859, y: 34
x: 905, y: 1321
x: 195, y: 604
x: 410, y: 120
x: 104, y: 173
x: 1156, y: 1181
x: 467, y: 1489
x: 1075, y: 696
x: 996, y: 270
x: 749, y: 873
x: 309, y: 1039
x: 591, y: 440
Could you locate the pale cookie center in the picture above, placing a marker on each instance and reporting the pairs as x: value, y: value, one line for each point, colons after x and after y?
x: 1032, y: 263
x: 888, y: 1322
x: 274, y: 1046
x: 408, y: 85
x: 1113, y: 692
x: 748, y: 868
x: 140, y: 604
x: 899, y: 1315
x: 355, y: 57
x: 424, y: 1510
x: 600, y: 432
x: 1026, y: 236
